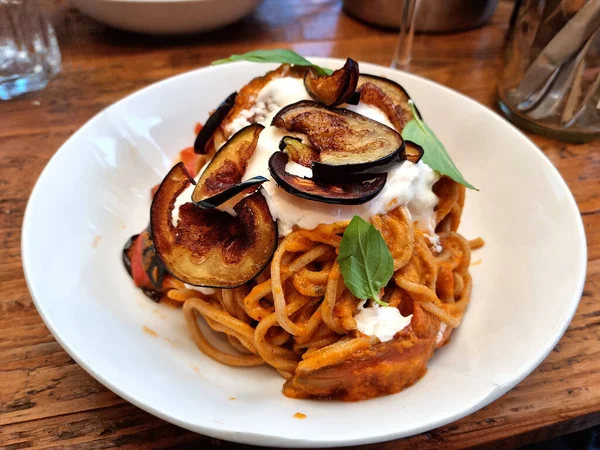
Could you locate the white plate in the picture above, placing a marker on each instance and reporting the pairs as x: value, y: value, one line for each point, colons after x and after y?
x: 167, y: 16
x: 94, y: 194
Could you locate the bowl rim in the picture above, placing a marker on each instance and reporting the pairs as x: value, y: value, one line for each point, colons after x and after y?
x: 259, y: 438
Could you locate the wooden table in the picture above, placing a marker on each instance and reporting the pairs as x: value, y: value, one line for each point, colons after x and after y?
x: 47, y: 400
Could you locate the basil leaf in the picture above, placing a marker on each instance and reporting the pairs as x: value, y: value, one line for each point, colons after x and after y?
x: 435, y: 155
x: 278, y: 55
x: 365, y: 261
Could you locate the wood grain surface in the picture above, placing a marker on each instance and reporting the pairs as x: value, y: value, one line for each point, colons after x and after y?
x: 48, y: 401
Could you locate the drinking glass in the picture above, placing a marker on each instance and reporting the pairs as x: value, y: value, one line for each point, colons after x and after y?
x: 402, y: 53
x: 426, y: 16
x: 29, y: 54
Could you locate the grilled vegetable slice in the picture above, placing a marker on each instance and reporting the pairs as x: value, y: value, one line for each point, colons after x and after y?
x: 228, y: 166
x: 213, y: 123
x: 237, y: 191
x: 144, y: 266
x: 342, y: 137
x: 342, y: 194
x: 334, y: 89
x: 301, y: 153
x: 210, y: 247
x: 354, y: 99
x: 248, y: 94
x: 326, y: 173
x: 388, y: 96
x: 414, y: 152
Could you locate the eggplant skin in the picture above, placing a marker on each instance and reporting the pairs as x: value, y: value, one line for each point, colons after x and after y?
x: 354, y: 99
x: 327, y: 173
x: 154, y: 269
x: 228, y: 165
x: 151, y: 264
x: 341, y: 194
x: 336, y: 88
x: 125, y: 254
x: 342, y: 137
x: 360, y: 172
x: 213, y: 122
x: 244, y: 188
x: 211, y: 248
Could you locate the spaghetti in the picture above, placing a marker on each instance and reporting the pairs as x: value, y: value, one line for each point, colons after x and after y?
x: 297, y: 316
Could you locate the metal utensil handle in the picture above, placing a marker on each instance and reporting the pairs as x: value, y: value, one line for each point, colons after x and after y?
x: 566, y: 42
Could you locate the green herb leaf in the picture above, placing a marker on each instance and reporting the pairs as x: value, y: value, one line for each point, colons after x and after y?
x: 435, y: 155
x: 278, y: 55
x: 365, y: 261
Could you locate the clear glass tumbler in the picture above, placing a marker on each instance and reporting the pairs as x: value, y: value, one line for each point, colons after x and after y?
x: 29, y: 54
x: 402, y: 54
x: 551, y: 78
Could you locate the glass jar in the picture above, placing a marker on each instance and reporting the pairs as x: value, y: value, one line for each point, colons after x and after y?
x: 550, y: 83
x: 29, y: 54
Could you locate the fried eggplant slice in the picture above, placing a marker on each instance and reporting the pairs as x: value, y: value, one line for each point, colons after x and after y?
x: 299, y: 152
x: 334, y: 89
x: 144, y: 266
x: 341, y: 194
x: 342, y: 137
x: 388, y: 96
x: 226, y: 169
x: 413, y: 152
x: 213, y: 122
x: 234, y: 194
x: 209, y: 247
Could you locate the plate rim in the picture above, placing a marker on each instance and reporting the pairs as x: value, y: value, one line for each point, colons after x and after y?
x: 275, y: 440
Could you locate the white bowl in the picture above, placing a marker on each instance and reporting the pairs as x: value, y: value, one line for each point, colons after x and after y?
x: 94, y: 194
x: 167, y: 16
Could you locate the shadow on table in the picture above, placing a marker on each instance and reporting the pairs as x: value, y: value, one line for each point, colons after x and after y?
x: 583, y: 440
